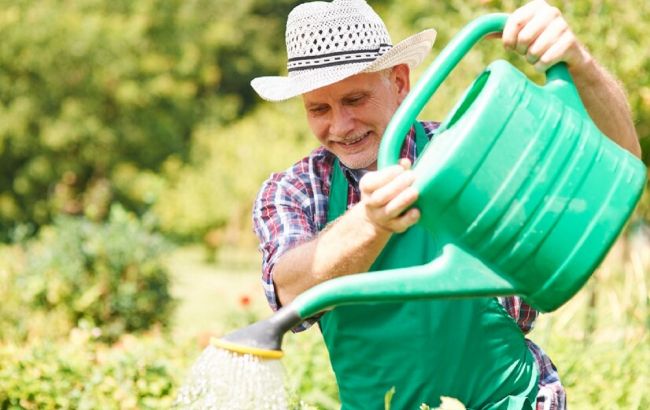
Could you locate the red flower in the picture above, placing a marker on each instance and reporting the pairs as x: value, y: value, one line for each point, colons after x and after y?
x: 244, y: 300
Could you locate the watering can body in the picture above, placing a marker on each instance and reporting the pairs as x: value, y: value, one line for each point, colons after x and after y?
x: 523, y: 180
x: 519, y: 177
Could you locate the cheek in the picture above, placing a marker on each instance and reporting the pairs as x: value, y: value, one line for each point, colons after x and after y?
x: 318, y: 127
x: 380, y: 113
x: 384, y: 106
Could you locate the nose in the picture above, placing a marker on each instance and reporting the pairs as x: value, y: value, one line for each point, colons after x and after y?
x: 342, y: 123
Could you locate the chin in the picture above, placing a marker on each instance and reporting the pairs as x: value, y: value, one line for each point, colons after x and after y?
x: 359, y: 163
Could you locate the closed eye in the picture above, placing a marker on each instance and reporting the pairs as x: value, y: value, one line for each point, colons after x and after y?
x: 318, y: 109
x: 355, y: 99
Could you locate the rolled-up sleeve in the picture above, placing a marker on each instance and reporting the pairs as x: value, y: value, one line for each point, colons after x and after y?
x: 281, y: 222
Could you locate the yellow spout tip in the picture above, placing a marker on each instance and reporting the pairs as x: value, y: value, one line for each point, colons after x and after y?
x: 242, y: 349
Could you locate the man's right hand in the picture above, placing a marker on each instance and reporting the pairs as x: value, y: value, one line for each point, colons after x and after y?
x: 352, y: 242
x: 386, y: 196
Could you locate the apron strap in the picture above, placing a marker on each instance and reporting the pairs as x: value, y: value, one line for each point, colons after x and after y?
x: 338, y: 197
x: 421, y: 138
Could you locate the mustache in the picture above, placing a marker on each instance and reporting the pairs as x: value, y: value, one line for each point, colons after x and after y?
x: 350, y: 137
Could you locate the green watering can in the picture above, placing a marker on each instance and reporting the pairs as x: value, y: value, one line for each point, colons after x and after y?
x: 524, y: 192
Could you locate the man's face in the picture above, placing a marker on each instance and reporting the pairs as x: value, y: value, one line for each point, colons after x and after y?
x: 349, y: 117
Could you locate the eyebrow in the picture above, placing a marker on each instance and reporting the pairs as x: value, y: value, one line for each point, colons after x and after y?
x: 355, y: 94
x: 313, y: 105
x: 360, y: 92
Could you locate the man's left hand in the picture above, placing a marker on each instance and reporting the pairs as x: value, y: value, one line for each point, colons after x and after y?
x: 540, y: 32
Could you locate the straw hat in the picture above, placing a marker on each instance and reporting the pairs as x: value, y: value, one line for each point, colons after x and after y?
x: 328, y: 42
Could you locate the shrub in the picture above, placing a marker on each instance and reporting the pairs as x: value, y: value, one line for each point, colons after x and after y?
x: 107, y: 276
x: 604, y: 374
x: 80, y: 373
x: 14, y: 318
x: 89, y: 86
x: 226, y: 169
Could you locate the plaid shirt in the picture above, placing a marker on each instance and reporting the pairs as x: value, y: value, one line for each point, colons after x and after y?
x: 291, y: 208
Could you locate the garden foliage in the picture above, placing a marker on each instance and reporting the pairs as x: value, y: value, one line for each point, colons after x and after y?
x: 95, y: 96
x: 227, y: 166
x: 79, y: 373
x: 106, y: 277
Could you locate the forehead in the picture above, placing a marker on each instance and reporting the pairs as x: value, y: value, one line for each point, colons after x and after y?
x: 364, y: 82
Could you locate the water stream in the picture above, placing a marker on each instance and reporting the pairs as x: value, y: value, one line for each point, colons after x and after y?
x: 221, y: 379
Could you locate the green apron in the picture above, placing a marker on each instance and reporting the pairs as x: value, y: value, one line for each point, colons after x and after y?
x: 469, y: 349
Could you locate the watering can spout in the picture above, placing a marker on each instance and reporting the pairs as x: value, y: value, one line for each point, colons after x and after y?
x: 455, y: 273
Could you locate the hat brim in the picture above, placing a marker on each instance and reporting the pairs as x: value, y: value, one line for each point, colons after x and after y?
x: 411, y: 51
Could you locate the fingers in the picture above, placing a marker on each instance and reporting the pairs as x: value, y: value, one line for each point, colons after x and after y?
x: 400, y: 203
x: 375, y: 180
x: 408, y: 219
x: 547, y: 37
x: 540, y: 32
x: 386, y: 196
x: 559, y: 51
x: 534, y: 27
x: 517, y: 20
x: 394, y: 188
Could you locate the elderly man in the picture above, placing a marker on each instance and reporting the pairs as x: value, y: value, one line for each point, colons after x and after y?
x: 333, y: 213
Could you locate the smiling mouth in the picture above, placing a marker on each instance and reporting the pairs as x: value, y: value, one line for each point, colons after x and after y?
x: 354, y: 140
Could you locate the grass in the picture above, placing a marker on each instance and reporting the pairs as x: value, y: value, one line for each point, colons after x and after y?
x: 208, y: 294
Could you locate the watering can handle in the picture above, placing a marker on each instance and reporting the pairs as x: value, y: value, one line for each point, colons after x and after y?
x: 558, y: 81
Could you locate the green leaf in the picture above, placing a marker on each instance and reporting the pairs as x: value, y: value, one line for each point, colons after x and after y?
x: 388, y: 397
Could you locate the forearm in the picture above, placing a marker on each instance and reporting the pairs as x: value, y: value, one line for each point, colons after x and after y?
x: 606, y: 103
x: 348, y: 245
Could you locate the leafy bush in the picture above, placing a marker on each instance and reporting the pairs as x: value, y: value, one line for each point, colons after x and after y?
x: 606, y: 375
x: 227, y: 167
x: 310, y: 379
x: 14, y: 318
x: 89, y: 86
x: 80, y: 373
x: 107, y: 276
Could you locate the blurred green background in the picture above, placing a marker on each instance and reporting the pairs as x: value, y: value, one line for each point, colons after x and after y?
x: 129, y: 134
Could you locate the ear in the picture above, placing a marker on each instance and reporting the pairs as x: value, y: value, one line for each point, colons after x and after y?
x: 401, y: 76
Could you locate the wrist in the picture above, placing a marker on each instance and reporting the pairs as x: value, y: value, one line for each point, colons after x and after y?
x: 584, y: 66
x: 366, y: 225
